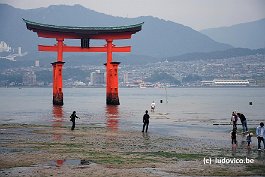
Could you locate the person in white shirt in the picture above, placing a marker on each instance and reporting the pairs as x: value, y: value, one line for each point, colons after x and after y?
x: 153, y: 105
x: 234, y: 119
x: 260, y: 132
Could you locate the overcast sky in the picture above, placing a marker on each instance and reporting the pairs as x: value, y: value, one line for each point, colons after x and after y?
x: 198, y: 14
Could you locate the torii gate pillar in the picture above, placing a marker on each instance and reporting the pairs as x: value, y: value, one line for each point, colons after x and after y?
x: 112, y: 84
x: 58, y: 83
x: 58, y: 74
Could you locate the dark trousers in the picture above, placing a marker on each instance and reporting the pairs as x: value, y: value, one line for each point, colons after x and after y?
x: 234, y: 125
x: 259, y: 141
x: 234, y: 141
x: 73, y: 125
x: 145, y: 124
x: 244, y: 125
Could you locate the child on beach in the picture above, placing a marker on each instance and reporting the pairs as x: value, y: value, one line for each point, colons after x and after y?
x: 249, y: 135
x: 153, y: 105
x: 233, y: 137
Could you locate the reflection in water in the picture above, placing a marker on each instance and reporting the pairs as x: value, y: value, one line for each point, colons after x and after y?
x: 73, y: 162
x: 57, y: 122
x: 59, y: 163
x: 234, y: 147
x: 57, y: 113
x: 260, y: 156
x: 112, y: 116
x: 147, y: 140
x: 249, y: 152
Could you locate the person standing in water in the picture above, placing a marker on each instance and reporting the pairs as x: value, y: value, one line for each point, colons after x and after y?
x: 233, y: 137
x: 153, y: 105
x: 234, y: 120
x: 249, y: 135
x: 260, y: 132
x: 73, y: 116
x: 146, y: 121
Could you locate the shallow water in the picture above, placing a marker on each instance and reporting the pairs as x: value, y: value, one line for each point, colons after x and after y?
x: 182, y: 109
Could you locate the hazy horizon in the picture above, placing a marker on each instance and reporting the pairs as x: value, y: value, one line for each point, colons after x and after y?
x: 198, y: 15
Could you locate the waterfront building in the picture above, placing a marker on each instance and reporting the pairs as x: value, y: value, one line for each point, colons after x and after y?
x: 223, y: 83
x: 4, y: 47
x: 97, y: 78
x: 128, y: 78
x: 19, y: 51
x: 29, y: 78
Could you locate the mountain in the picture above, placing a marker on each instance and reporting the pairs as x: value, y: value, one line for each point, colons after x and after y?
x: 158, y: 38
x: 229, y: 53
x: 246, y: 35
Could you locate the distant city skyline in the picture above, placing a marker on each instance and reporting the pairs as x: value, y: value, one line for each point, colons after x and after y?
x: 197, y: 14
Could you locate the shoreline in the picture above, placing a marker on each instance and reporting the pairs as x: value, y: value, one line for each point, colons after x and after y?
x: 40, y: 150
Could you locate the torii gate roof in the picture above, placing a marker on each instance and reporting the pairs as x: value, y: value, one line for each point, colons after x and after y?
x: 82, y: 31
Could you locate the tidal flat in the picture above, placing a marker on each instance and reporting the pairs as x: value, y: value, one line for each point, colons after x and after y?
x: 39, y: 150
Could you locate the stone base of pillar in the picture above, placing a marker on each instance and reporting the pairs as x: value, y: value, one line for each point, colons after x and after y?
x: 112, y: 99
x: 58, y: 99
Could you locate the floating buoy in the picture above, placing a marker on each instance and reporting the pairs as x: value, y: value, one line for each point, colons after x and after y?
x: 250, y: 103
x: 161, y: 101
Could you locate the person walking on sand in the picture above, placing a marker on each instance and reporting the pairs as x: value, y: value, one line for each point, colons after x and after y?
x: 145, y: 121
x: 234, y: 120
x: 243, y: 121
x: 153, y: 105
x: 260, y: 132
x: 73, y: 116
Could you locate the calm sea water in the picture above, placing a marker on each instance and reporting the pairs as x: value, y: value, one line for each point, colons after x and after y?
x: 180, y: 107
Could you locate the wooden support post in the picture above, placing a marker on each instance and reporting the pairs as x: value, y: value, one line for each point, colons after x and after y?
x: 58, y: 83
x: 108, y: 71
x: 58, y: 74
x: 112, y: 84
x: 115, y: 84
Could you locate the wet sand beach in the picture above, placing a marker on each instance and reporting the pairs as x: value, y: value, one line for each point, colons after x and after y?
x: 42, y: 150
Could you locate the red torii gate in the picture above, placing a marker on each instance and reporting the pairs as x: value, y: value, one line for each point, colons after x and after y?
x: 85, y: 34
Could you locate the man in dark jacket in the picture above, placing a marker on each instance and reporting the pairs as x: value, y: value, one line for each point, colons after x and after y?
x: 146, y: 121
x: 73, y: 116
x: 243, y: 121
